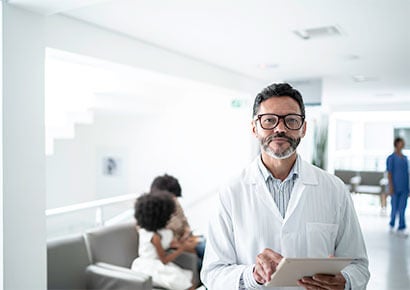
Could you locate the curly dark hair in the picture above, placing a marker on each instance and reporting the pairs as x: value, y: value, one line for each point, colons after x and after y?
x: 278, y: 90
x: 168, y: 183
x: 153, y: 210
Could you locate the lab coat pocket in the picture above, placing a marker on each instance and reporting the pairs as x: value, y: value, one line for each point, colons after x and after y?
x: 321, y: 239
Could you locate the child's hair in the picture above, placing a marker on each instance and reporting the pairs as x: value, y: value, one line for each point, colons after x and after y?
x: 168, y: 183
x: 154, y: 210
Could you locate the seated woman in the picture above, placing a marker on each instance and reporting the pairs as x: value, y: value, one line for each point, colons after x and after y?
x: 179, y: 223
x: 153, y: 212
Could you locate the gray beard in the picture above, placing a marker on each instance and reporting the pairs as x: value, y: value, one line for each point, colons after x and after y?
x: 294, y: 143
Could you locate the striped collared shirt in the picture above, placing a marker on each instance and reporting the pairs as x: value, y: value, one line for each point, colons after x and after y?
x: 280, y: 190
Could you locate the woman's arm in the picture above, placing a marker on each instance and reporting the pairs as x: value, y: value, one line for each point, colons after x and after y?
x: 162, y: 254
x: 391, y: 188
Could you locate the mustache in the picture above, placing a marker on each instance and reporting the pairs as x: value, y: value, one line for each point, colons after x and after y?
x: 270, y: 138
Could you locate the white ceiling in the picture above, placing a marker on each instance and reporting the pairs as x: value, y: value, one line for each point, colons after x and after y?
x: 251, y: 36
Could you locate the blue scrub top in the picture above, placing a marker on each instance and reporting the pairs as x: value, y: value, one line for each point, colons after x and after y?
x: 399, y: 168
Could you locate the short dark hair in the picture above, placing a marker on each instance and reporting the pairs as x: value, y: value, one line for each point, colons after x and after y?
x: 154, y: 210
x: 397, y: 140
x: 278, y: 90
x: 168, y: 183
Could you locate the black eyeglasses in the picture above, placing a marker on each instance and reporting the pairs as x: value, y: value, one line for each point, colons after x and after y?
x: 271, y: 121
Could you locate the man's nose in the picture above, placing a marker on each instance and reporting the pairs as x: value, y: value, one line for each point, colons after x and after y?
x: 281, y: 126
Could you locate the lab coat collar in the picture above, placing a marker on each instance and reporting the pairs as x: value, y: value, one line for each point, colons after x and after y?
x: 307, y: 177
x: 307, y: 173
x: 294, y: 172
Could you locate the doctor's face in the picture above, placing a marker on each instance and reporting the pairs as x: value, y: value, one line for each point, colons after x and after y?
x: 279, y: 141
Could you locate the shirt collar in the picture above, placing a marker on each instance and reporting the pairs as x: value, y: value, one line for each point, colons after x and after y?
x: 294, y: 172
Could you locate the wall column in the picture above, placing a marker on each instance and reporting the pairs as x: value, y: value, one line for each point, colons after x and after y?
x: 24, y: 191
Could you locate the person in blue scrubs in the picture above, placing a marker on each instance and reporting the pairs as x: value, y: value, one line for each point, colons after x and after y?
x: 398, y: 174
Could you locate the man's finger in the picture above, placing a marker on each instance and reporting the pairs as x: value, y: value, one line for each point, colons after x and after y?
x: 259, y: 273
x: 258, y: 277
x: 276, y: 257
x: 330, y: 279
x: 325, y: 279
x: 267, y: 264
x: 309, y: 286
x: 310, y: 281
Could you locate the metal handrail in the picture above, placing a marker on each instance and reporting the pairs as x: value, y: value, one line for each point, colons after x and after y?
x: 107, y: 201
x: 91, y: 204
x: 99, y: 207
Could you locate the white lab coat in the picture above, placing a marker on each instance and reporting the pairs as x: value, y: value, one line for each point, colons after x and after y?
x: 320, y: 221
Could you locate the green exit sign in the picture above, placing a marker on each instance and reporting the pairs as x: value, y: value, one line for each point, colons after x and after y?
x: 237, y: 103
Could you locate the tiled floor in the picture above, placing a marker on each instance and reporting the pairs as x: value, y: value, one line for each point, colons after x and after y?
x: 389, y: 255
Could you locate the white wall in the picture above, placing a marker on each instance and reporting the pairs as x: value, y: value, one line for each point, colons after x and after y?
x: 203, y: 143
x: 193, y: 141
x: 24, y: 248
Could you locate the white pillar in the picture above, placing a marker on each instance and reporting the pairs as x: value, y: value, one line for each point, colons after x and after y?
x: 24, y: 228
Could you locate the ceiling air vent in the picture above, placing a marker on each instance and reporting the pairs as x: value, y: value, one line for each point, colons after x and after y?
x: 364, y: 79
x: 318, y: 32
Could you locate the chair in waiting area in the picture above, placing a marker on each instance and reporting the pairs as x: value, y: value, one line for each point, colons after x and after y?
x: 69, y: 267
x: 371, y: 182
x: 350, y: 178
x: 368, y: 182
x: 115, y: 248
x: 67, y: 261
x: 101, y: 259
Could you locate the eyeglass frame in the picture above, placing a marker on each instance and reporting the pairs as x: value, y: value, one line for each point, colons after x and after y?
x: 279, y: 118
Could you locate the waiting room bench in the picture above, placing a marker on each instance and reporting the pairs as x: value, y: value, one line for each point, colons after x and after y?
x: 101, y: 259
x: 368, y: 182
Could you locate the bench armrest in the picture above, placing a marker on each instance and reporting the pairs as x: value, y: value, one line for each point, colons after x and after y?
x: 109, y: 277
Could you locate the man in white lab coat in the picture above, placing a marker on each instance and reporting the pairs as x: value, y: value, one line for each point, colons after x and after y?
x: 281, y: 206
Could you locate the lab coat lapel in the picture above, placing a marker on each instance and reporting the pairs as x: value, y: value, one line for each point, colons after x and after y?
x: 260, y: 190
x: 267, y: 199
x: 307, y: 177
x: 295, y: 196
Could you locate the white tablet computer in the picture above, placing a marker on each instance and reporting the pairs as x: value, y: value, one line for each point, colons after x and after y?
x: 290, y: 270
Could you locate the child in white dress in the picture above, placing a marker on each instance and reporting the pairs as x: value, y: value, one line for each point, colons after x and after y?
x: 152, y: 212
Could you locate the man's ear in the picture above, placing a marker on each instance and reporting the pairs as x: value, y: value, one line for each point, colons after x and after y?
x: 254, y: 128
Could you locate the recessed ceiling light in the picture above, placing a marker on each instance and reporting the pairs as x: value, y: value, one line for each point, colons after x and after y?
x: 362, y: 78
x: 318, y: 32
x: 268, y: 65
x: 352, y: 57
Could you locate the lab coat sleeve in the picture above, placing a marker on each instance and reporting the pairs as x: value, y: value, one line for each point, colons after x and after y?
x: 350, y: 243
x: 220, y: 270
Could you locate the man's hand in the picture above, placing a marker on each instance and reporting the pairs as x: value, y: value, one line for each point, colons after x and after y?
x: 319, y: 281
x: 265, y: 265
x: 391, y: 190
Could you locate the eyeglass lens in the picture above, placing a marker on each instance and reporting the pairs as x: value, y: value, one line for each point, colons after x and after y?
x: 292, y: 122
